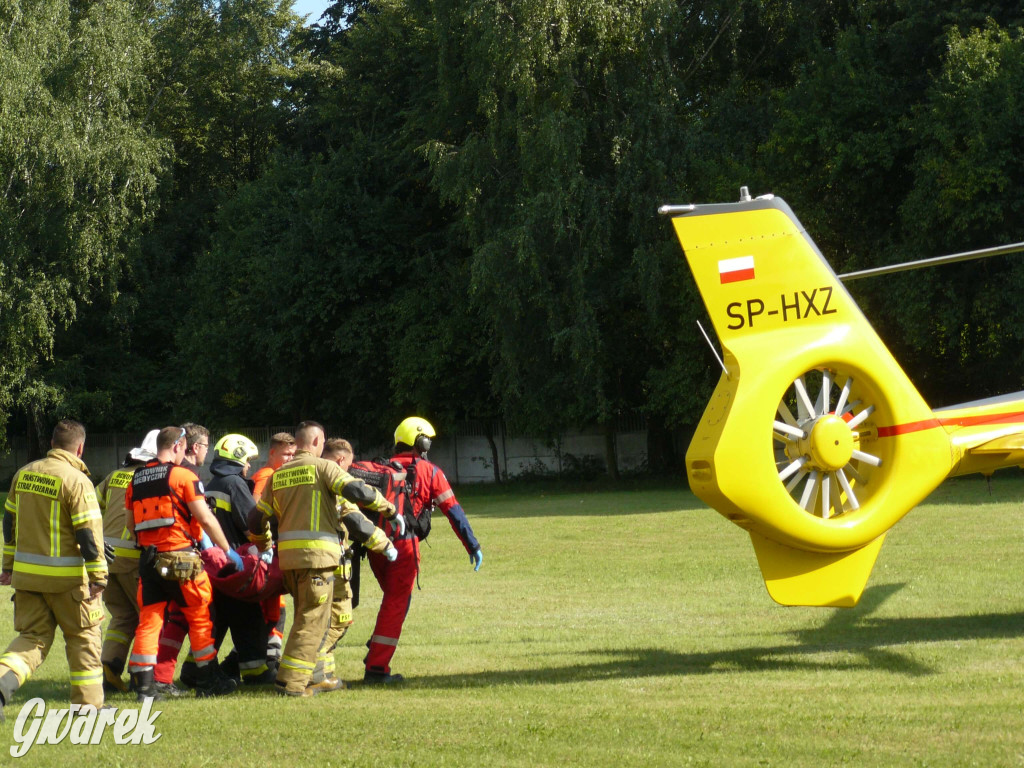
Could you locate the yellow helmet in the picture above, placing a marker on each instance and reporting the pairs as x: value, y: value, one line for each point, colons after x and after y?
x: 416, y: 432
x: 236, y: 448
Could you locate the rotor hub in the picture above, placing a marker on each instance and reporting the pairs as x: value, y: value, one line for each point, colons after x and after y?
x: 829, y: 443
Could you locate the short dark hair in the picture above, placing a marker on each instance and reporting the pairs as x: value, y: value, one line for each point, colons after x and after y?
x: 282, y: 438
x: 68, y: 434
x: 304, y: 432
x: 168, y: 436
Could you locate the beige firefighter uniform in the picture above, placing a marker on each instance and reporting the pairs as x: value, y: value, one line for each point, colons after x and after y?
x: 362, y: 530
x: 121, y: 594
x: 303, y: 494
x: 54, y: 548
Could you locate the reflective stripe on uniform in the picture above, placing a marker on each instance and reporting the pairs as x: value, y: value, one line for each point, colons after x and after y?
x: 11, y: 505
x: 159, y: 522
x: 44, y: 565
x: 122, y: 547
x: 290, y: 662
x: 88, y: 677
x: 220, y: 500
x: 85, y: 516
x: 382, y: 640
x: 202, y: 655
x: 309, y: 540
x: 445, y: 496
x: 17, y: 665
x: 115, y: 636
x: 144, y: 660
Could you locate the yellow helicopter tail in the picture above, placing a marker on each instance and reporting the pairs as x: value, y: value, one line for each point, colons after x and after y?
x: 812, y: 418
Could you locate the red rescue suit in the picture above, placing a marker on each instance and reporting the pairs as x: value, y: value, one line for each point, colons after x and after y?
x: 430, y: 487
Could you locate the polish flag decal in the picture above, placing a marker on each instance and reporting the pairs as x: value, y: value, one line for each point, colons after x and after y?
x: 736, y: 270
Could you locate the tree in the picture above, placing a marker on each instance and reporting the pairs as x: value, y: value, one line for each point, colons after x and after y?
x: 78, y: 167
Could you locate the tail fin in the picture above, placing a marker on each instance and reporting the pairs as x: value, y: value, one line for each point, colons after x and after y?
x: 813, y: 420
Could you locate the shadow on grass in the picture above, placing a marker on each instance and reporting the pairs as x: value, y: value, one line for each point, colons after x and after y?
x: 852, y: 639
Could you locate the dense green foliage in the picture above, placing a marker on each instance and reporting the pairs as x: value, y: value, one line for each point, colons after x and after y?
x: 448, y: 206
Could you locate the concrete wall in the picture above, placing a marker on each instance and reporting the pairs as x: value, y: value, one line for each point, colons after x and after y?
x: 465, y: 456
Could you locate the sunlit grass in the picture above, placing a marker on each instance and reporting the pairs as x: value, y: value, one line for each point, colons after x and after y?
x: 631, y: 628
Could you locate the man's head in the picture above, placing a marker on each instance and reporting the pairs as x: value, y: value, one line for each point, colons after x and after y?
x: 339, y: 451
x: 171, y: 444
x: 69, y: 435
x: 414, y: 434
x: 282, y: 450
x: 309, y: 436
x: 198, y: 446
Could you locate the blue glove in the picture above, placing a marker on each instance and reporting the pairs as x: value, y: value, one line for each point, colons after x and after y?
x: 477, y: 558
x: 391, y: 554
x: 399, y: 523
x: 267, y: 556
x: 205, y: 542
x: 236, y: 559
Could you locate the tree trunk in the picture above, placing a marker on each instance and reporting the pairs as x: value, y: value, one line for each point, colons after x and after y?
x: 37, y: 444
x: 611, y: 458
x: 661, y: 449
x: 494, y: 451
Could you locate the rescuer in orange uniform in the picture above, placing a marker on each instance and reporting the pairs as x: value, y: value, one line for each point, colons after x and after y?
x: 53, y: 557
x: 430, y: 489
x: 169, y: 516
x: 281, y: 451
x: 121, y: 594
x: 303, y: 495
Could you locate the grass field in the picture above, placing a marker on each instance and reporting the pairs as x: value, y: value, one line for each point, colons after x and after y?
x: 631, y: 628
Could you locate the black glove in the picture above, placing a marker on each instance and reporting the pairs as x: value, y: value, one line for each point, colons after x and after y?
x: 108, y: 552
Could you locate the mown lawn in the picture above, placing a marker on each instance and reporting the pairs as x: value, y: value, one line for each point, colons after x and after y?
x: 631, y: 628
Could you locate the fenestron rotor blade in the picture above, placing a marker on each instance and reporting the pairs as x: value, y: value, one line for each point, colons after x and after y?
x: 844, y: 395
x: 810, y: 491
x: 837, y: 494
x: 856, y: 420
x: 786, y: 414
x: 793, y: 467
x: 867, y: 458
x: 851, y: 499
x: 826, y: 392
x: 983, y: 253
x: 785, y: 429
x: 826, y: 486
x: 804, y: 404
x: 796, y: 480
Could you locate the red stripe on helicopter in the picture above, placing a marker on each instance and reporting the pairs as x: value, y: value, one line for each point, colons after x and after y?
x: 963, y: 421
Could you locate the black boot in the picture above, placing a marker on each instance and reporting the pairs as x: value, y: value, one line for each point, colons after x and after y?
x: 212, y: 682
x: 145, y: 685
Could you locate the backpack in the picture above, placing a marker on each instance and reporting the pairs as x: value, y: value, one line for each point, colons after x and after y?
x: 395, y: 482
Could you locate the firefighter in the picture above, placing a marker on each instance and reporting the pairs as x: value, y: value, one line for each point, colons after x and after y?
x: 120, y: 596
x: 229, y: 495
x: 430, y: 489
x: 53, y: 557
x: 281, y: 451
x: 361, y: 530
x: 168, y: 518
x: 303, y: 495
